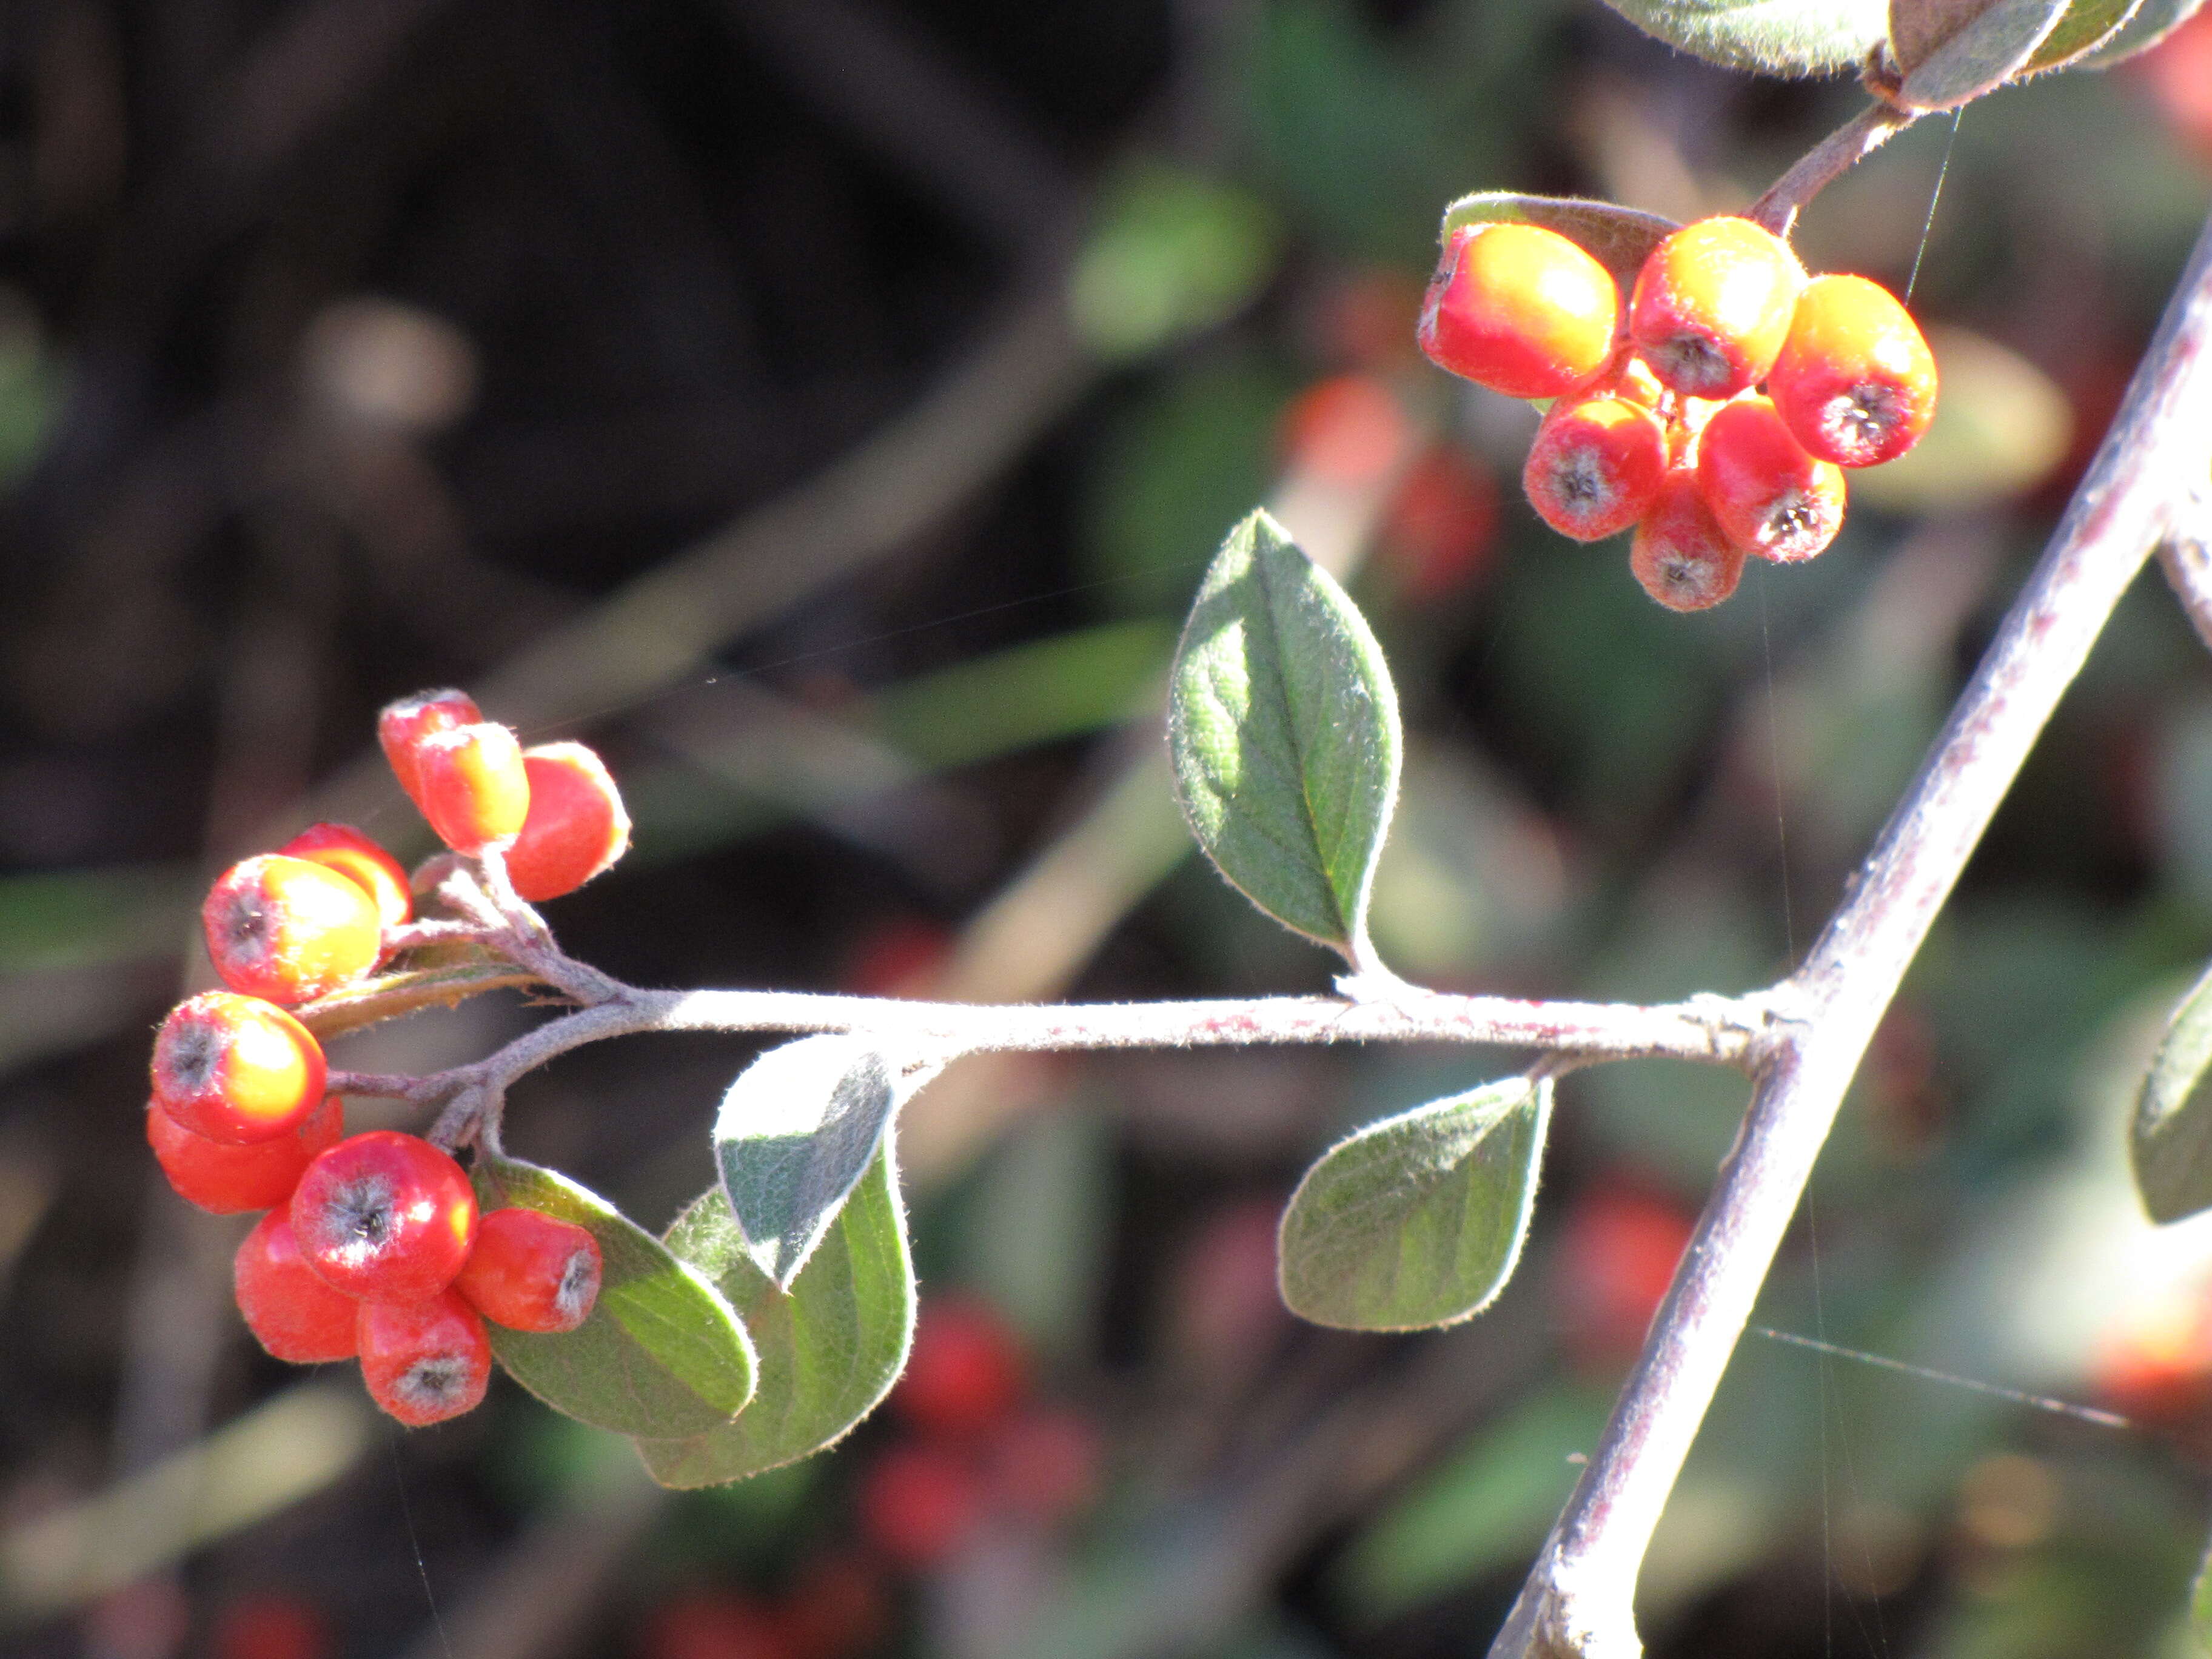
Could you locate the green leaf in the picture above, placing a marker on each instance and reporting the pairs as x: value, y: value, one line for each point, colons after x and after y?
x: 1173, y: 253
x: 1283, y: 730
x: 1781, y: 37
x: 1417, y: 1220
x: 1955, y: 51
x: 662, y: 1353
x: 796, y: 1130
x: 2173, y: 1138
x: 830, y: 1350
x: 2200, y: 1606
x: 2152, y: 23
x: 1619, y: 238
x: 2087, y: 25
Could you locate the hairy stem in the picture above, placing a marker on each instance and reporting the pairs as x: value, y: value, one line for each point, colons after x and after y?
x: 1577, y: 1600
x: 1827, y: 161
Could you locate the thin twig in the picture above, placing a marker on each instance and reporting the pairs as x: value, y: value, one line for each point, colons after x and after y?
x: 1578, y: 1597
x: 1827, y: 161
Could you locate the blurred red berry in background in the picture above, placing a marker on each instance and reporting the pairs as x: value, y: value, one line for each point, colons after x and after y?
x: 966, y: 1372
x: 1617, y: 1254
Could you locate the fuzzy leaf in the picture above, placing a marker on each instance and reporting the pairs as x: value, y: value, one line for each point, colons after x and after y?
x: 796, y: 1130
x: 1619, y: 238
x: 1283, y: 730
x: 2088, y: 24
x: 662, y: 1353
x: 1780, y: 37
x: 2172, y: 1138
x: 2152, y: 23
x: 1955, y: 51
x: 1417, y: 1220
x: 830, y: 1350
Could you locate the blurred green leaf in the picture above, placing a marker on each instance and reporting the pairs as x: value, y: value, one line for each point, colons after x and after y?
x: 2171, y: 1141
x: 662, y: 1353
x: 2001, y: 425
x: 1172, y: 253
x: 1780, y: 37
x: 85, y: 918
x: 1028, y: 693
x: 829, y: 1349
x: 2200, y: 1606
x: 31, y: 387
x: 1953, y: 50
x: 1418, y: 1220
x: 1283, y: 726
x: 2152, y: 23
x: 795, y: 1132
x: 1619, y: 238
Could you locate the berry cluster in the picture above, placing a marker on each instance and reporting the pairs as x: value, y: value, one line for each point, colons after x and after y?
x: 373, y: 1247
x: 1659, y: 421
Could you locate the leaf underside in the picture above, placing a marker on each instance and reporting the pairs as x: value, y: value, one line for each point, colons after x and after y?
x: 1778, y: 37
x: 1955, y: 51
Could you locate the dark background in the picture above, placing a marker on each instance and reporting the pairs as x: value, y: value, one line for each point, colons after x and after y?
x: 699, y: 377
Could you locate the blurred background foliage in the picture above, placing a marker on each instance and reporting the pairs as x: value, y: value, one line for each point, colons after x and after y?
x: 825, y: 408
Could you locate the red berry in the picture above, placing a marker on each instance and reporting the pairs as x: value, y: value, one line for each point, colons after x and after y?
x: 295, y: 1316
x: 1348, y: 430
x: 715, y: 1625
x: 384, y: 1215
x: 288, y: 930
x: 531, y: 1271
x: 402, y: 725
x: 269, y: 1627
x: 1770, y: 497
x: 341, y: 847
x: 1617, y: 1255
x: 1043, y: 1465
x: 576, y: 825
x: 424, y: 1361
x: 227, y: 1179
x: 1595, y: 466
x: 474, y: 787
x: 965, y: 1372
x: 236, y: 1069
x: 1519, y: 309
x: 1681, y: 554
x: 1856, y: 382
x: 919, y: 1503
x: 1712, y: 305
x: 1442, y: 523
x: 836, y: 1607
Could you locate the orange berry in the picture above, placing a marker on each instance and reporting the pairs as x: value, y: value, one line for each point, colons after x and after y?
x: 530, y: 1271
x: 1712, y: 305
x: 1770, y: 497
x: 227, y: 1179
x: 341, y: 847
x: 1681, y: 554
x: 1856, y: 382
x: 236, y: 1069
x: 576, y: 825
x: 1519, y: 309
x: 424, y: 1361
x: 475, y: 789
x: 402, y: 725
x: 288, y: 930
x: 292, y: 1314
x: 1594, y: 467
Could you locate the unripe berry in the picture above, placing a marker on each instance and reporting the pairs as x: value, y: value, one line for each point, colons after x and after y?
x: 236, y: 1069
x: 402, y: 725
x: 530, y: 1271
x: 384, y: 1215
x: 341, y: 847
x: 1769, y: 496
x: 576, y: 825
x: 293, y: 1313
x: 227, y: 1179
x: 1712, y: 305
x: 1519, y: 309
x: 288, y: 930
x: 1856, y: 382
x: 475, y: 791
x: 424, y: 1361
x: 1681, y: 554
x: 1594, y: 467
x: 965, y: 1372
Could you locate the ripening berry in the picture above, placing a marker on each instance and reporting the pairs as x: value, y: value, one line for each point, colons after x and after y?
x: 293, y: 1313
x: 228, y: 1180
x: 1681, y: 554
x: 236, y: 1069
x: 475, y: 789
x: 1519, y: 309
x: 288, y: 930
x: 1712, y: 305
x: 341, y: 847
x: 530, y: 1271
x: 425, y: 1360
x: 384, y: 1215
x: 1856, y: 382
x: 919, y: 1503
x: 1595, y: 466
x: 965, y: 1372
x: 576, y: 825
x: 1770, y: 497
x: 402, y: 725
